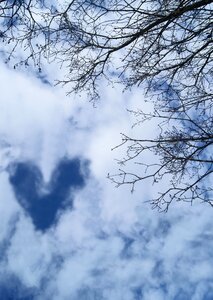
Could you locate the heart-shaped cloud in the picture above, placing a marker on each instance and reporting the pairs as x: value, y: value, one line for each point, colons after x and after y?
x: 41, y: 202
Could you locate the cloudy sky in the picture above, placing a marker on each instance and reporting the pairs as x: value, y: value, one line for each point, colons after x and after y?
x: 66, y: 232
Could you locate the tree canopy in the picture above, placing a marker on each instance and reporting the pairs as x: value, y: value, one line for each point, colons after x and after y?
x: 164, y: 47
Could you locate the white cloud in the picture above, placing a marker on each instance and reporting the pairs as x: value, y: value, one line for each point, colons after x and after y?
x: 8, y: 206
x: 110, y: 245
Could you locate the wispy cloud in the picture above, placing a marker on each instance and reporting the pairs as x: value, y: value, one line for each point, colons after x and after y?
x: 108, y: 244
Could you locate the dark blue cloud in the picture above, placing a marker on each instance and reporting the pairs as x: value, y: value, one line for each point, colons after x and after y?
x: 87, y: 293
x: 137, y: 293
x: 5, y: 242
x: 43, y: 77
x: 11, y: 288
x: 43, y: 207
x: 184, y: 294
x: 126, y: 252
x: 163, y: 228
x: 209, y: 293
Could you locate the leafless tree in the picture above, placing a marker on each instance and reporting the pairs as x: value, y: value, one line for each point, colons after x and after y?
x: 165, y: 47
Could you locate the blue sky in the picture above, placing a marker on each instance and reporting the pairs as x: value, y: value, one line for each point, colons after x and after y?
x: 66, y: 232
x: 43, y: 206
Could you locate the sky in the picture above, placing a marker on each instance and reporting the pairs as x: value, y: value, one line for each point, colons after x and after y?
x: 66, y: 232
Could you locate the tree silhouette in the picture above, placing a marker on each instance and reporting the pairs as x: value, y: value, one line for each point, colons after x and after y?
x: 165, y: 47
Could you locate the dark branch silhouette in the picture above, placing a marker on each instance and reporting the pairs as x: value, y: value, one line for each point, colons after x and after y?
x: 165, y: 47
